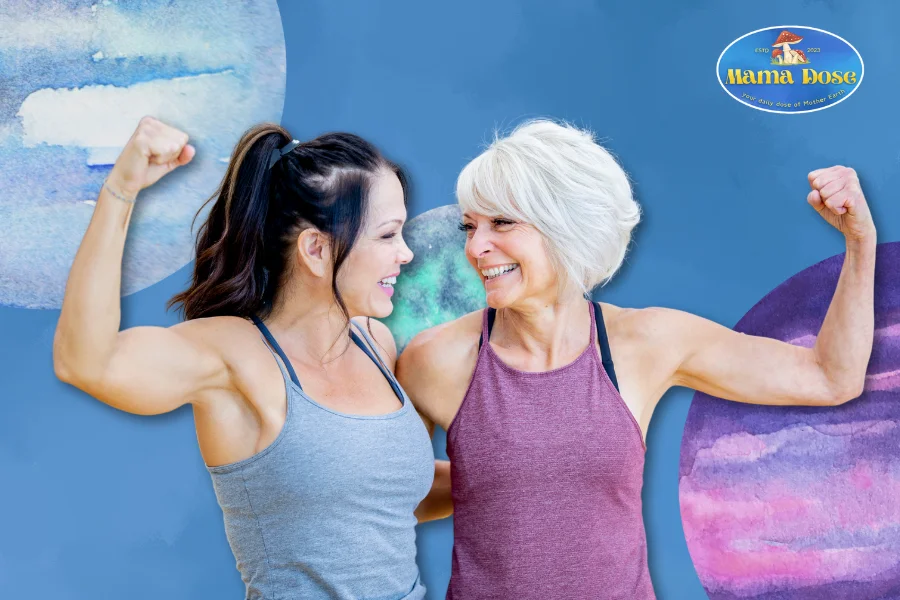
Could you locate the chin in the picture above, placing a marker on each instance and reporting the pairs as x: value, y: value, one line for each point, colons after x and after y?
x: 382, y: 309
x: 498, y: 299
x: 498, y: 305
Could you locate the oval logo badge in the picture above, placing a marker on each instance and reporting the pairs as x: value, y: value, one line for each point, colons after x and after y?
x: 790, y: 69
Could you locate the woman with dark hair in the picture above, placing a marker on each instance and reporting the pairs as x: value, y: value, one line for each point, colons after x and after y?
x: 319, y: 461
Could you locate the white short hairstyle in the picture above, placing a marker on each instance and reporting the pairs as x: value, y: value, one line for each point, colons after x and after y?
x: 557, y: 178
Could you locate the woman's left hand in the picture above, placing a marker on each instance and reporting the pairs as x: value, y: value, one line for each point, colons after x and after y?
x: 837, y: 196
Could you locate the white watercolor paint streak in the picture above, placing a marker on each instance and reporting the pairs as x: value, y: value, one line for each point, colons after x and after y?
x: 103, y: 156
x: 101, y: 118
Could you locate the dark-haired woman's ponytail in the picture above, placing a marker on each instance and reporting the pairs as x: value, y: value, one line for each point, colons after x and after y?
x: 245, y: 244
x: 230, y: 270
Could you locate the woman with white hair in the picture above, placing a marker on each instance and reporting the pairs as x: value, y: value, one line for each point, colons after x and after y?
x: 546, y: 396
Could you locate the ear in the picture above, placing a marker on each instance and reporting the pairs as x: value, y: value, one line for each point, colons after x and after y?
x: 314, y: 249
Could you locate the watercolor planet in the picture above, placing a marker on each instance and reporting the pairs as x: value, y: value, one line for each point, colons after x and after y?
x: 439, y: 285
x: 77, y: 77
x: 801, y: 503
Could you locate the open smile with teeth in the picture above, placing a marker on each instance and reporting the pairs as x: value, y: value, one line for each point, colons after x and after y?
x: 495, y: 272
x: 388, y: 282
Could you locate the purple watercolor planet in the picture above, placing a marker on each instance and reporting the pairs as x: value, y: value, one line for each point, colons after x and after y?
x: 801, y: 503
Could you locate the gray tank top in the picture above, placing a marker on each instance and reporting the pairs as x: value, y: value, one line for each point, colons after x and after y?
x: 326, y: 510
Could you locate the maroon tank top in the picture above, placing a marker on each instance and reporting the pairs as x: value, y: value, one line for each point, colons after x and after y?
x: 547, y: 471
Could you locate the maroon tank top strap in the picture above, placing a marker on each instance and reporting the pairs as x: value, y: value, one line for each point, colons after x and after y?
x: 593, y: 312
x: 487, y: 323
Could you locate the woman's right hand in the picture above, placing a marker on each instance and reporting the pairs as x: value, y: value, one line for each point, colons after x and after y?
x: 154, y: 150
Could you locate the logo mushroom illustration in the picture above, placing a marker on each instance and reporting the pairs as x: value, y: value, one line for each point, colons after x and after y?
x: 785, y: 40
x: 776, y: 56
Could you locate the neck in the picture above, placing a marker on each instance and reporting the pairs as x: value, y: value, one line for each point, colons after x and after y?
x: 544, y: 328
x: 309, y: 325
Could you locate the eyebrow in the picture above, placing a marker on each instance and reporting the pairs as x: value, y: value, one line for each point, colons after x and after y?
x: 398, y: 221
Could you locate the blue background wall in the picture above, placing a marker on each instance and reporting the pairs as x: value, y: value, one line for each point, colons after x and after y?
x: 100, y: 504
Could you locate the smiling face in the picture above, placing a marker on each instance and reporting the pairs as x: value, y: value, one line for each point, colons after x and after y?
x: 366, y: 278
x: 512, y: 260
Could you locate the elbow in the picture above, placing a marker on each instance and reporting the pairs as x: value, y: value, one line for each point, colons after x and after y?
x: 62, y: 367
x: 434, y: 511
x: 845, y: 392
x: 67, y: 374
x: 66, y: 367
x: 65, y: 371
x: 438, y: 504
x: 62, y: 373
x: 852, y: 392
x: 838, y: 384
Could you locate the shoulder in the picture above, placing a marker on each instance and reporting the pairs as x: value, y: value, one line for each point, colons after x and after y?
x: 664, y: 332
x: 233, y: 342
x: 216, y: 332
x: 668, y: 323
x: 445, y: 344
x: 442, y: 354
x: 635, y: 323
x: 437, y: 365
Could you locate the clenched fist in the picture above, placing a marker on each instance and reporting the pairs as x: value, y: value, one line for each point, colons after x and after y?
x: 154, y: 150
x: 837, y: 196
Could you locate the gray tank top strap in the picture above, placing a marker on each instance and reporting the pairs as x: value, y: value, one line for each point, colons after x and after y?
x: 273, y: 345
x: 372, y: 350
x: 278, y: 360
x: 287, y: 370
x: 375, y: 355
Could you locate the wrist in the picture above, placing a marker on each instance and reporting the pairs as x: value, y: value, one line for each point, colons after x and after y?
x: 122, y: 184
x: 862, y: 251
x: 122, y: 192
x: 867, y: 241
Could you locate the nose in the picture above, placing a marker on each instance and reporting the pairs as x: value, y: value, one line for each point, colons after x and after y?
x: 478, y: 243
x: 406, y: 255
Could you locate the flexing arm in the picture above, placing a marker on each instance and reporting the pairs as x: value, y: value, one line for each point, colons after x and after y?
x: 760, y: 370
x: 144, y: 370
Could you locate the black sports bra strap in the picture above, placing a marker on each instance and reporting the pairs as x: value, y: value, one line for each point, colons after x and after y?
x: 492, y: 314
x: 605, y: 356
x: 370, y: 353
x: 271, y: 339
x: 374, y: 356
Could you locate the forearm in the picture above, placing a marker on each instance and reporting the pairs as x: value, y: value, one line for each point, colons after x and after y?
x: 844, y: 344
x: 438, y: 504
x: 90, y: 317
